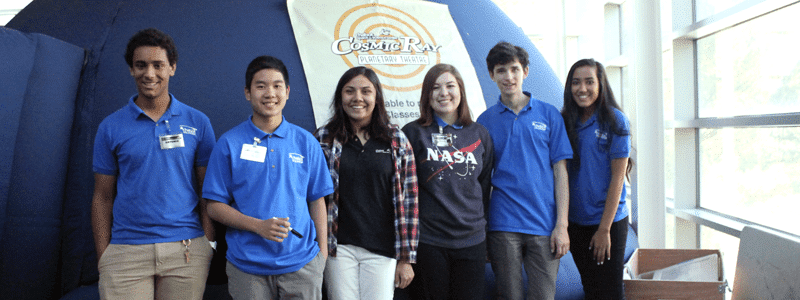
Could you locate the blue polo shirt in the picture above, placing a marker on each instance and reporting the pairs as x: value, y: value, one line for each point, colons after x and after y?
x: 156, y: 197
x: 588, y: 185
x: 293, y: 173
x: 525, y: 148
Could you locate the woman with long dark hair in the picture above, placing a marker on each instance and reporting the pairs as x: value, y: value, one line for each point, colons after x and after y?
x: 454, y: 165
x: 601, y: 142
x: 373, y: 212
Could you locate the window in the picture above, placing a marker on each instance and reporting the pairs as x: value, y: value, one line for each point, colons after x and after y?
x: 707, y: 8
x: 752, y: 173
x: 751, y: 69
x: 736, y: 128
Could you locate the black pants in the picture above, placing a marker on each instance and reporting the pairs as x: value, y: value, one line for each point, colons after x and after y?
x: 604, y: 281
x: 443, y: 273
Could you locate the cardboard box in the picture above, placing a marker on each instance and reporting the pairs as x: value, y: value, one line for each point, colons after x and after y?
x: 647, y: 260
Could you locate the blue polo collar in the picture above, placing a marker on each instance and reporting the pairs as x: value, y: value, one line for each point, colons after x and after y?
x: 444, y: 124
x: 527, y: 106
x: 172, y: 110
x: 282, y: 131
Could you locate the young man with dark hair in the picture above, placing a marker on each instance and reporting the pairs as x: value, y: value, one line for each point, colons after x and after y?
x: 530, y: 196
x: 266, y: 182
x: 150, y: 226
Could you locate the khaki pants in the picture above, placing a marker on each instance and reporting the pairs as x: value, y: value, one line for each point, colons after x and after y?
x: 155, y: 271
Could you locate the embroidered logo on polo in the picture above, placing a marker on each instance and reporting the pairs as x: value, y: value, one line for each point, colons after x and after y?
x: 600, y: 134
x: 384, y: 151
x: 539, y: 126
x: 296, y: 158
x: 189, y: 130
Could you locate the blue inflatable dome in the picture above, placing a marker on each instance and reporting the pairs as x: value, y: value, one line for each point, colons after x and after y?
x: 63, y: 72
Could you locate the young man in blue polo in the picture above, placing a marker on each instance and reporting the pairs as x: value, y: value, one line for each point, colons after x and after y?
x: 266, y: 180
x: 530, y: 196
x: 150, y: 228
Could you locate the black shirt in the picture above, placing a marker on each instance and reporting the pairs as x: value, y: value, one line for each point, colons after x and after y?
x: 366, y: 211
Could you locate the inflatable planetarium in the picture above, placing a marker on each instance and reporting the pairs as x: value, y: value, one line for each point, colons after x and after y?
x: 64, y: 71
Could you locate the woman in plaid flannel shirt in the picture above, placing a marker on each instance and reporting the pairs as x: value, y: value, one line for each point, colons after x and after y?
x: 373, y: 213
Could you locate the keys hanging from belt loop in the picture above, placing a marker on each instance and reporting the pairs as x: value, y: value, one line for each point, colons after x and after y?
x: 186, y: 244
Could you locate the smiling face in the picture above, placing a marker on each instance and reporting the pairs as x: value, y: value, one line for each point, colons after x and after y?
x: 585, y: 88
x: 509, y: 77
x: 267, y: 94
x: 151, y: 71
x: 446, y: 96
x: 358, y: 100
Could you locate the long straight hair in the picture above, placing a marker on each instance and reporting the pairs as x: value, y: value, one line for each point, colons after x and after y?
x: 340, y: 126
x: 606, y: 103
x: 425, y: 109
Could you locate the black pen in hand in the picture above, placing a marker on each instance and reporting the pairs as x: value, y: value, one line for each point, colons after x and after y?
x: 292, y: 230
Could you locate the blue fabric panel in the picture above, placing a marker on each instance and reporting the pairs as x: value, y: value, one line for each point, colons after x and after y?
x: 568, y: 280
x: 78, y: 263
x: 17, y: 54
x: 631, y: 244
x: 29, y: 253
x: 84, y: 292
x: 81, y: 23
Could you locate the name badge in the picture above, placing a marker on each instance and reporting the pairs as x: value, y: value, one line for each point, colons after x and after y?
x: 442, y: 139
x: 171, y: 141
x: 253, y: 153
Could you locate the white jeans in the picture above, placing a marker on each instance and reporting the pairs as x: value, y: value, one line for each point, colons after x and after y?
x: 356, y: 273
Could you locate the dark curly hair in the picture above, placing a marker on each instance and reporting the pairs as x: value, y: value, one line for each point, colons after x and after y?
x: 152, y: 37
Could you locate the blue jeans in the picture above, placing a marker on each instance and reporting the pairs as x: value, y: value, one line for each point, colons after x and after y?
x: 508, y: 251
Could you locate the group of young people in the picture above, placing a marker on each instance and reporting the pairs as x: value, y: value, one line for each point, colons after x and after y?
x: 362, y: 203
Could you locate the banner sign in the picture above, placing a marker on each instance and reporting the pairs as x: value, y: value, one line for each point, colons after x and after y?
x: 399, y: 39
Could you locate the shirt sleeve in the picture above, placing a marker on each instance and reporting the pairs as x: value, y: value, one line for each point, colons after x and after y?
x: 407, y: 209
x: 104, y: 160
x: 206, y: 145
x: 218, y: 174
x: 319, y: 183
x: 485, y: 178
x: 560, y: 147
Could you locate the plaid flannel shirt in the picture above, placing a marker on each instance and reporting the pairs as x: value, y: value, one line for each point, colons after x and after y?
x: 404, y: 191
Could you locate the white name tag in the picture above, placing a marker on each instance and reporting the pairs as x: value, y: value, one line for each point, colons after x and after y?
x: 253, y: 153
x: 442, y: 139
x: 171, y: 141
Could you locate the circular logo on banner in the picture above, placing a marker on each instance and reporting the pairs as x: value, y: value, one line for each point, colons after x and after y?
x: 389, y: 41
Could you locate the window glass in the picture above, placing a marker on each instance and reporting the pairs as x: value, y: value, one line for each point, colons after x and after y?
x: 752, y: 68
x: 669, y: 232
x: 707, y: 8
x: 669, y: 114
x: 752, y: 174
